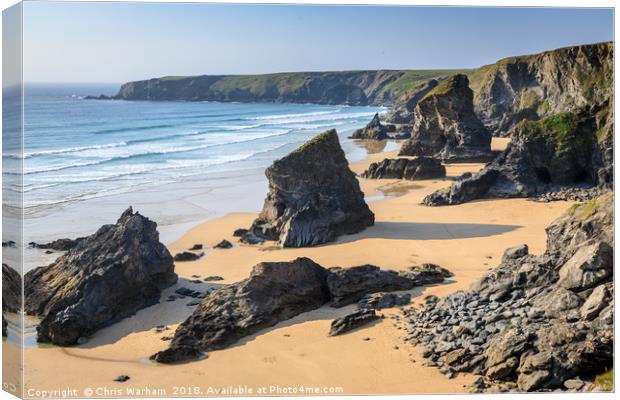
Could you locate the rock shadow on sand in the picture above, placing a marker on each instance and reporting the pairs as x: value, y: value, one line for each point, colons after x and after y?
x: 428, y: 231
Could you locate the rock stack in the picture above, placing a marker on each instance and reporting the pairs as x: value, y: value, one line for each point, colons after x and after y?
x: 313, y: 197
x: 108, y: 276
x: 554, y: 154
x: 446, y: 127
x: 375, y: 130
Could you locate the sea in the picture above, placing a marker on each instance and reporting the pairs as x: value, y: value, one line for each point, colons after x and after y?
x: 179, y: 163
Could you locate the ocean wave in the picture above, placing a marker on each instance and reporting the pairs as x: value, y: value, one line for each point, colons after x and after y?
x: 280, y: 116
x: 152, y: 153
x: 133, y: 129
x: 73, y: 149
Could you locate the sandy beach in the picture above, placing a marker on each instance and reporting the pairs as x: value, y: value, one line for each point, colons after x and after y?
x: 467, y: 239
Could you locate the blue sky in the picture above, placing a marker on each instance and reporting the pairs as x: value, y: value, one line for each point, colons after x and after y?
x: 118, y: 42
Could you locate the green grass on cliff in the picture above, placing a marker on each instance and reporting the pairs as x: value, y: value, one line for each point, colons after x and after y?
x: 413, y: 78
x: 566, y: 129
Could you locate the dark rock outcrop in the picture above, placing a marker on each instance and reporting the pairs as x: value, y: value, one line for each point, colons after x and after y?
x: 446, y: 126
x: 106, y: 277
x: 351, y: 321
x: 348, y: 285
x: 11, y: 294
x: 313, y: 196
x: 375, y: 130
x: 58, y: 244
x: 556, y: 152
x: 405, y: 168
x: 224, y: 244
x: 534, y: 322
x: 187, y: 256
x: 274, y: 291
x: 532, y: 87
x: 402, y: 111
x: 378, y: 301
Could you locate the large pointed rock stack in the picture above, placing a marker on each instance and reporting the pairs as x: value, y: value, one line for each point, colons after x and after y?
x: 313, y: 196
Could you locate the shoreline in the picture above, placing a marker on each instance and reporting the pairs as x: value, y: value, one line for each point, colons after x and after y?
x: 298, y: 351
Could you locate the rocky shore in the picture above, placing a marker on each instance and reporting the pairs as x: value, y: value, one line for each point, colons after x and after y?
x: 534, y: 322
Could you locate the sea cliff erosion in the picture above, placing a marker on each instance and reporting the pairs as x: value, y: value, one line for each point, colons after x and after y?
x: 108, y: 276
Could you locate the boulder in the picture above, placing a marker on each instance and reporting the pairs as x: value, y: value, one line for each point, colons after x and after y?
x: 108, y: 276
x: 378, y: 301
x: 349, y: 285
x: 426, y: 274
x: 274, y: 291
x: 589, y: 266
x: 351, y: 321
x: 313, y: 197
x: 404, y: 168
x: 375, y: 130
x: 515, y: 252
x: 598, y: 299
x: 224, y: 244
x: 446, y: 127
x: 187, y: 256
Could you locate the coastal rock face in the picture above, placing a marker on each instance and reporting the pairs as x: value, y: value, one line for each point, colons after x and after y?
x: 375, y: 130
x: 346, y: 87
x: 535, y: 86
x: 313, y: 196
x: 534, y: 322
x: 558, y: 152
x: 108, y: 276
x: 11, y: 293
x: 405, y: 168
x: 275, y: 291
x: 446, y: 127
x: 402, y: 111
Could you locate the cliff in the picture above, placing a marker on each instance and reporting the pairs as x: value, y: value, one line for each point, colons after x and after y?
x: 349, y: 87
x: 543, y: 84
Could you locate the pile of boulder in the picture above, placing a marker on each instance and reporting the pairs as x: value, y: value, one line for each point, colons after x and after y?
x: 534, y: 323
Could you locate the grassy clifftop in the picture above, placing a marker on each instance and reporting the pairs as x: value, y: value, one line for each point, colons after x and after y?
x: 346, y: 87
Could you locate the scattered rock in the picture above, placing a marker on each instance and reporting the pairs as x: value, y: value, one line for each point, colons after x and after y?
x: 58, y: 244
x: 195, y: 247
x: 187, y: 256
x: 351, y: 321
x: 224, y: 244
x: 313, y: 196
x: 404, y: 168
x: 122, y: 378
x: 213, y: 278
x: 9, y: 243
x: 240, y: 232
x: 108, y: 276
